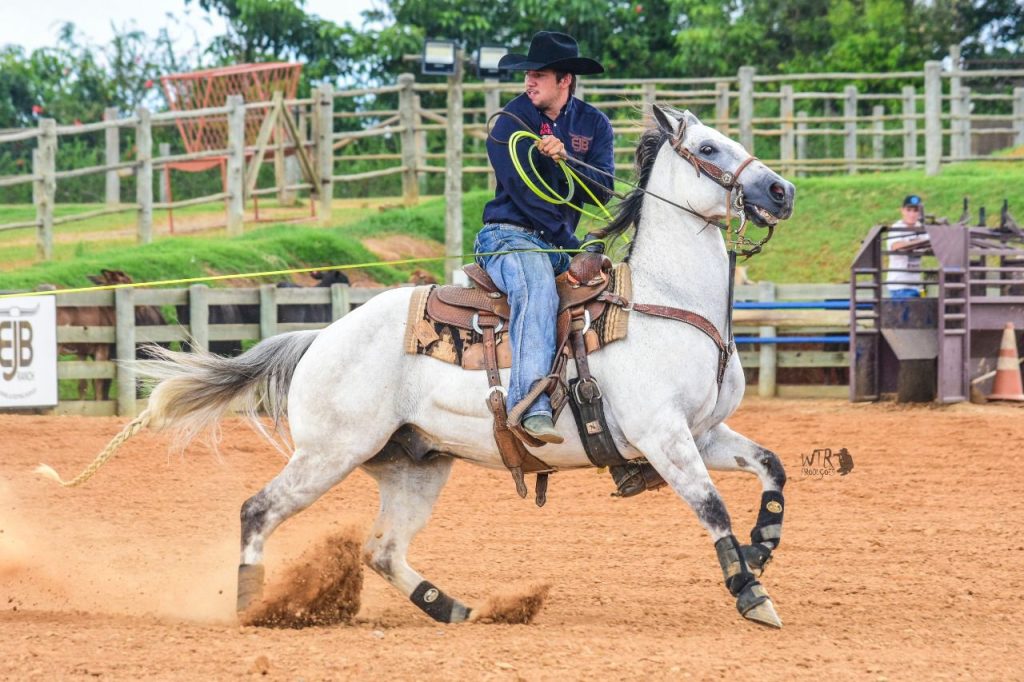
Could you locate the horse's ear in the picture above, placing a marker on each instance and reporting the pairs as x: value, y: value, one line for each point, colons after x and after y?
x: 666, y: 121
x: 689, y: 118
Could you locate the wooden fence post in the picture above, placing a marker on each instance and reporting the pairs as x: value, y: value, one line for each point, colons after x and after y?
x: 199, y: 315
x: 722, y: 107
x: 650, y: 96
x: 932, y: 117
x: 407, y: 119
x: 44, y: 162
x: 850, y: 128
x: 768, y: 361
x: 965, y: 122
x: 956, y: 128
x: 786, y: 140
x: 268, y: 310
x: 164, y: 191
x: 746, y: 76
x: 878, y: 125
x: 292, y: 173
x: 453, y: 172
x: 144, y: 176
x: 421, y: 146
x: 124, y: 315
x: 801, y: 138
x: 325, y: 149
x: 909, y: 126
x: 236, y: 165
x: 492, y: 103
x: 282, y: 175
x: 112, y: 142
x: 340, y: 304
x: 1018, y: 115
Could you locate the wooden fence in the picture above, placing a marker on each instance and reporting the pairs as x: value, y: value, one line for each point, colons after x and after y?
x: 907, y: 119
x: 125, y: 335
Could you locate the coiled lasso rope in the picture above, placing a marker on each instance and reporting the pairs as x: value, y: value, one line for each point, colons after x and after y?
x: 548, y: 193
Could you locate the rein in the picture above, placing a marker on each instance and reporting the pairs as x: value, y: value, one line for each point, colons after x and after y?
x: 734, y: 237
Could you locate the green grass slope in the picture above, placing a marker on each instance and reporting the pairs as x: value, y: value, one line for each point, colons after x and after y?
x: 833, y: 214
x: 272, y: 248
x: 817, y: 245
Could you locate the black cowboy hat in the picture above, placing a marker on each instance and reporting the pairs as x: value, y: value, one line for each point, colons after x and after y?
x: 551, y: 50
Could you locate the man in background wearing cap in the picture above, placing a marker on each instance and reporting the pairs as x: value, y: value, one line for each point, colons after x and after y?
x: 905, y: 284
x: 518, y: 221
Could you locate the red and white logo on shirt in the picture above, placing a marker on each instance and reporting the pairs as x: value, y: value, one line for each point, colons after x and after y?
x: 580, y: 143
x: 545, y: 129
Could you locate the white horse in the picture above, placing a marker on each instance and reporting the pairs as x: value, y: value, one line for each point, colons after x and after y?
x: 350, y: 386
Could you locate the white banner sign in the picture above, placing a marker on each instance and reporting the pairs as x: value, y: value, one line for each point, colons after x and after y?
x: 28, y: 351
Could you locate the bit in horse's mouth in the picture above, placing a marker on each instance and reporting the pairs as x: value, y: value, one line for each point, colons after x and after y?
x: 760, y: 216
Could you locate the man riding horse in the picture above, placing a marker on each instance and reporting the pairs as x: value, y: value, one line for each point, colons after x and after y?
x: 518, y: 222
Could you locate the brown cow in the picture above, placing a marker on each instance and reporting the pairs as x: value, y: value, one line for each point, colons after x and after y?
x: 85, y: 316
x: 419, y: 277
x: 100, y: 316
x: 145, y: 315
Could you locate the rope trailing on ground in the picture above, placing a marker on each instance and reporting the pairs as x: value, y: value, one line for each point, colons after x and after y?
x: 132, y: 428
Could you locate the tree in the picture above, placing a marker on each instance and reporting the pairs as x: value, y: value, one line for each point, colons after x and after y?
x: 281, y: 30
x: 631, y: 38
x: 78, y: 80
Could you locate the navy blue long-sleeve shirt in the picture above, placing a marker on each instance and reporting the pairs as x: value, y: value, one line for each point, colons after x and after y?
x: 587, y: 135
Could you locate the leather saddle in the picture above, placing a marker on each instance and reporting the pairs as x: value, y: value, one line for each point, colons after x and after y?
x: 484, y: 310
x: 484, y: 305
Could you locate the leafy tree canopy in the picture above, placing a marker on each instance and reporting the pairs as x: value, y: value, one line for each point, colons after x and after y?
x: 632, y: 38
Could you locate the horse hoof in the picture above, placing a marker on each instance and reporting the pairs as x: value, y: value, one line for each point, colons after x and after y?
x: 250, y: 586
x: 754, y: 604
x: 764, y: 613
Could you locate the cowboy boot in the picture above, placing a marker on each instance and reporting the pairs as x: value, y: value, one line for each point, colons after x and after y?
x: 633, y: 478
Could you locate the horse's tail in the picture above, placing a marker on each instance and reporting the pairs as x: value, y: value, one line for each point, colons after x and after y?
x: 196, y: 389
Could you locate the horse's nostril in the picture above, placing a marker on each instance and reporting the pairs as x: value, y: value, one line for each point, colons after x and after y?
x: 777, y: 192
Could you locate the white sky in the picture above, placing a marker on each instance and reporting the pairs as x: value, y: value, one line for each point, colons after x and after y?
x: 34, y: 25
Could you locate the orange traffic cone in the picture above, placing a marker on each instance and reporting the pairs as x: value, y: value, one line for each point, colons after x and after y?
x: 1007, y: 385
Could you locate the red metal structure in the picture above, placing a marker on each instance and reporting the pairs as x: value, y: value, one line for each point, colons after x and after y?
x: 211, y: 88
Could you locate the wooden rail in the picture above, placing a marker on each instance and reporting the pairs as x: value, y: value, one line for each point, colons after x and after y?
x: 930, y: 121
x: 125, y: 335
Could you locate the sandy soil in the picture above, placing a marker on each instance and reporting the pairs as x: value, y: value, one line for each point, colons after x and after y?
x: 896, y: 571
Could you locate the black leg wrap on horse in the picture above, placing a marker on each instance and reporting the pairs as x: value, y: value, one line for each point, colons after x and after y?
x: 753, y: 594
x: 734, y: 567
x: 768, y: 530
x: 437, y: 604
x: 741, y: 582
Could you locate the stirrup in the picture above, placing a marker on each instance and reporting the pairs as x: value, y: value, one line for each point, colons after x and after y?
x: 633, y: 478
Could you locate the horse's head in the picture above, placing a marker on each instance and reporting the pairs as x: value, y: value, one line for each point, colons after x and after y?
x: 767, y: 196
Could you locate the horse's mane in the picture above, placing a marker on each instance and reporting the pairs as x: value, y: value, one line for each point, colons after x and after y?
x: 627, y: 213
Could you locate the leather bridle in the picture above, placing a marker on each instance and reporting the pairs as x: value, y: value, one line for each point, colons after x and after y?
x: 727, y: 180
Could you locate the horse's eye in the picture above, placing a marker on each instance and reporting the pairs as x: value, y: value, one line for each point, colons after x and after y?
x: 707, y: 150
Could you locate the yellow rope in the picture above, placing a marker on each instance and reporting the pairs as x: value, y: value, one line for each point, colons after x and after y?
x: 271, y: 273
x: 552, y: 197
x: 548, y: 194
x: 132, y: 428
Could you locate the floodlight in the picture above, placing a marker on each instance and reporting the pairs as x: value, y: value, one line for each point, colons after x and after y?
x: 438, y: 57
x: 487, y: 58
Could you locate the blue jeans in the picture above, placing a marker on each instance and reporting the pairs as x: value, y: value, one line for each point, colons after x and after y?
x: 529, y: 281
x: 906, y: 292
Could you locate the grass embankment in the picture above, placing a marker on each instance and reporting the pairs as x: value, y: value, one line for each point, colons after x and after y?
x: 817, y: 245
x: 833, y: 214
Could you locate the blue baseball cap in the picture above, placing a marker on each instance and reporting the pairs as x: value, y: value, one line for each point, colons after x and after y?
x: 912, y: 200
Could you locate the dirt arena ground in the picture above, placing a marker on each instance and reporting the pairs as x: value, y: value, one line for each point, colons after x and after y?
x: 907, y: 568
